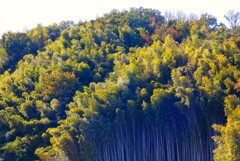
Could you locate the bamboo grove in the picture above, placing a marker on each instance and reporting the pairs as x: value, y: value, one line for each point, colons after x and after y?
x: 132, y: 85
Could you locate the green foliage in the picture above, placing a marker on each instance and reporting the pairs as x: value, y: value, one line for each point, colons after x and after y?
x: 17, y: 45
x: 228, y: 145
x: 74, y: 91
x: 3, y: 58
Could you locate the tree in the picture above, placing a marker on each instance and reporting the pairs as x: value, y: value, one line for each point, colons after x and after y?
x: 228, y: 140
x: 39, y: 36
x: 58, y: 85
x: 4, y: 58
x: 209, y: 20
x: 17, y: 45
x: 237, y: 85
x: 233, y: 19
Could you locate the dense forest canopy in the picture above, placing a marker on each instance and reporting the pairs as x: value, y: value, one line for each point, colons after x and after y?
x: 132, y: 85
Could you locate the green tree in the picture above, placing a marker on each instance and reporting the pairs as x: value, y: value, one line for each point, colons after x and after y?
x: 228, y: 142
x: 17, y: 45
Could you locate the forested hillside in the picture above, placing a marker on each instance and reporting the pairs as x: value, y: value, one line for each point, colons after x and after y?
x: 132, y: 85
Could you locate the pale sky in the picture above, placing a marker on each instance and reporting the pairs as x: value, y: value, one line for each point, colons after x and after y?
x: 17, y: 15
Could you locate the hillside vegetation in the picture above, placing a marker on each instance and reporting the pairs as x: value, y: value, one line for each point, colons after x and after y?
x: 129, y: 86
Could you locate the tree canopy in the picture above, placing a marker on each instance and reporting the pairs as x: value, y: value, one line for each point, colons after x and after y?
x: 132, y: 85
